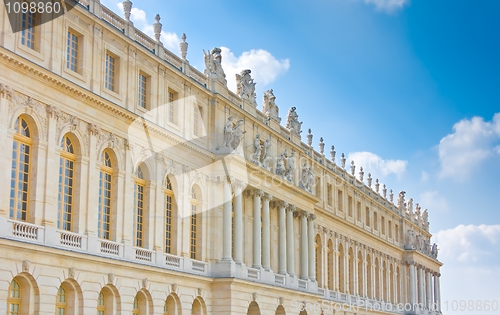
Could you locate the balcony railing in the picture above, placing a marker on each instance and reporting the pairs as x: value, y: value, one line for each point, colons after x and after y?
x: 69, y: 239
x: 144, y: 254
x: 108, y: 247
x: 27, y: 231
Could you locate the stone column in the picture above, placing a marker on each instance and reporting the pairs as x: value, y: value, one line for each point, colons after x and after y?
x: 364, y: 274
x: 266, y: 233
x: 226, y: 221
x: 290, y: 235
x: 238, y: 221
x: 282, y: 237
x: 413, y: 284
x: 304, y: 251
x: 437, y: 292
x: 257, y: 246
x: 421, y: 286
x: 312, y: 247
x: 429, y: 289
x: 357, y: 289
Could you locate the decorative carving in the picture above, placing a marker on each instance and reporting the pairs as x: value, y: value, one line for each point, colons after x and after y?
x: 94, y: 129
x: 292, y: 121
x: 280, y: 164
x: 307, y: 178
x: 26, y: 266
x: 362, y: 174
x: 157, y: 28
x: 391, y: 196
x: 266, y: 157
x: 281, y: 300
x: 200, y: 292
x: 353, y: 168
x: 309, y: 137
x: 257, y: 150
x: 290, y: 166
x: 416, y: 216
x: 342, y: 160
x: 369, y: 180
x: 377, y: 185
x: 321, y: 146
x: 233, y: 133
x: 111, y: 278
x: 434, y: 251
x: 127, y: 8
x: 254, y: 296
x: 425, y: 218
x: 174, y: 287
x: 6, y: 91
x: 53, y: 111
x: 72, y: 273
x: 269, y: 106
x: 213, y: 65
x: 384, y: 191
x: 245, y: 87
x: 332, y: 154
x: 183, y: 46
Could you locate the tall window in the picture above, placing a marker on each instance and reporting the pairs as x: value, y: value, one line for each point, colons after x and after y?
x: 14, y: 298
x: 194, y: 224
x: 382, y: 224
x: 66, y: 181
x: 140, y: 183
x: 349, y: 205
x: 358, y: 210
x: 135, y: 310
x: 143, y: 90
x: 169, y: 198
x: 28, y: 32
x: 330, y: 264
x: 329, y: 194
x: 172, y: 97
x: 19, y: 182
x: 72, y: 51
x: 367, y: 216
x: 196, y: 121
x: 105, y: 192
x: 339, y: 200
x: 389, y: 226
x: 375, y: 221
x: 396, y: 233
x: 110, y: 73
x: 61, y: 303
x: 101, y: 304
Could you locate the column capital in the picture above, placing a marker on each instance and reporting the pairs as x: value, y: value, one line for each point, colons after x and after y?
x: 238, y: 184
x: 258, y: 193
x: 291, y: 208
x: 311, y: 217
x: 301, y: 214
x: 267, y: 197
x: 282, y: 204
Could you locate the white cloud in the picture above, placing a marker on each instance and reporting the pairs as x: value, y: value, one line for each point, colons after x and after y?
x: 472, y: 141
x: 388, y: 5
x: 138, y: 17
x: 265, y: 67
x: 470, y: 255
x: 434, y: 201
x: 378, y: 167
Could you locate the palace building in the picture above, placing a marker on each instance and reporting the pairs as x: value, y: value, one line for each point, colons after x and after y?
x: 135, y: 184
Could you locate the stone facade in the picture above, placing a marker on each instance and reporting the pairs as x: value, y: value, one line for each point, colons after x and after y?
x: 141, y: 185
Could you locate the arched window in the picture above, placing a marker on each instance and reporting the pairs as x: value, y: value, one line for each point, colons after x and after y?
x: 385, y: 288
x: 14, y: 299
x: 351, y: 259
x: 169, y: 204
x: 101, y: 304
x: 105, y: 193
x: 66, y: 182
x: 369, y: 285
x: 19, y: 183
x: 194, y: 225
x: 61, y: 301
x: 140, y: 184
x: 135, y: 310
x: 170, y: 306
x: 377, y: 279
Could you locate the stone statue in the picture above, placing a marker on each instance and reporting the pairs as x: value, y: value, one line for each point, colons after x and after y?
x: 266, y: 157
x: 434, y: 251
x: 311, y: 179
x: 269, y: 106
x: 391, y: 196
x: 257, y: 150
x: 420, y: 243
x: 292, y: 121
x: 245, y: 86
x: 304, y: 178
x: 213, y: 65
x: 384, y: 191
x: 280, y: 164
x: 401, y: 199
x: 321, y: 146
x: 410, y: 239
x: 409, y: 207
x: 417, y: 214
x: 290, y: 167
x: 233, y: 133
x: 342, y: 160
x: 332, y: 154
x: 427, y: 247
x: 309, y: 137
x: 361, y: 174
x: 377, y: 185
x: 425, y: 218
x: 353, y: 168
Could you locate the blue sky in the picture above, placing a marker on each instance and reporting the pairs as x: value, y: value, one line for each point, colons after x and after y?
x: 409, y: 90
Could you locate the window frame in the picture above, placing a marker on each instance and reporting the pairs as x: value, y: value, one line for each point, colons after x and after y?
x: 16, y: 300
x: 105, y: 171
x: 66, y: 157
x: 139, y: 211
x: 78, y: 50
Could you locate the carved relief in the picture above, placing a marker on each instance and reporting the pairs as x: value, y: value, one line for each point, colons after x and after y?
x: 233, y: 133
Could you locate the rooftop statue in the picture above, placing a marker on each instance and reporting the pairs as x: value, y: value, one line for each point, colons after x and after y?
x: 269, y: 106
x: 266, y: 157
x: 401, y: 199
x: 233, y: 133
x: 213, y: 65
x: 292, y: 121
x: 290, y: 161
x: 245, y: 86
